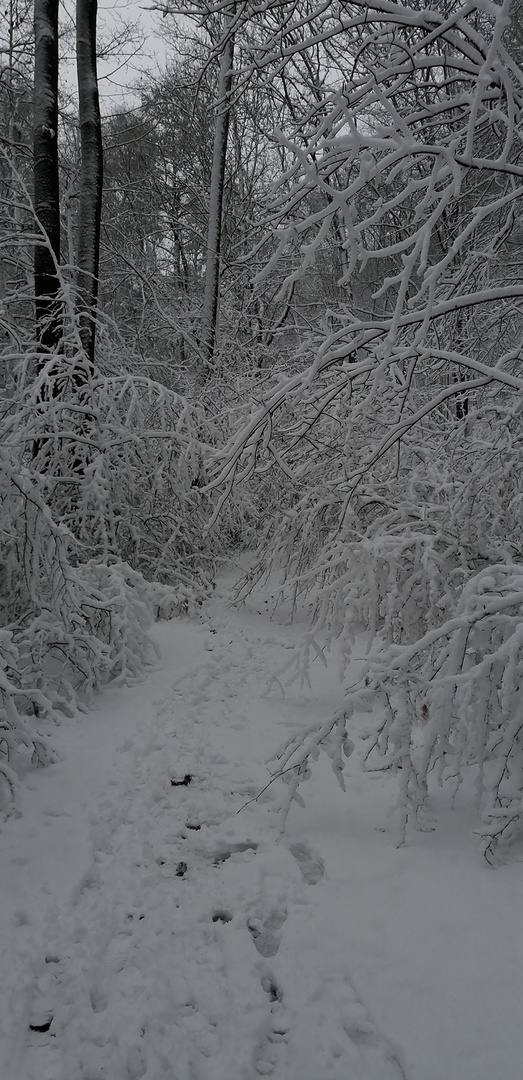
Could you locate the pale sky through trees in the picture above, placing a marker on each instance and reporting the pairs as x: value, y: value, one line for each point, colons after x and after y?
x: 123, y: 56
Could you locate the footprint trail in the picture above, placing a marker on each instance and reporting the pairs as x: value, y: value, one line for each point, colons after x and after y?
x: 179, y: 957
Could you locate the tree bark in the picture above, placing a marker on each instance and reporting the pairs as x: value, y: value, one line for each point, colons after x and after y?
x: 214, y: 231
x: 46, y: 186
x: 91, y: 174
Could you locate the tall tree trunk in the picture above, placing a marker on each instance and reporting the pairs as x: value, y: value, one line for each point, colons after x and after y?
x: 46, y: 188
x: 91, y: 174
x: 214, y: 231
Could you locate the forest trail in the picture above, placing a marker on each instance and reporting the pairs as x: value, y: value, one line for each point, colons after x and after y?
x: 188, y: 944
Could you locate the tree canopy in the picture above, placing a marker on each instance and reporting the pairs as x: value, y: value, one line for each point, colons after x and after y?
x: 305, y: 282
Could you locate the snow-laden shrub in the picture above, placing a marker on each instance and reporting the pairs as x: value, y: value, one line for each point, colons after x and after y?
x: 399, y: 426
x: 449, y: 701
x: 454, y: 698
x: 103, y: 519
x: 390, y: 549
x: 83, y: 626
x: 68, y: 626
x: 121, y: 461
x: 426, y: 564
x: 21, y: 743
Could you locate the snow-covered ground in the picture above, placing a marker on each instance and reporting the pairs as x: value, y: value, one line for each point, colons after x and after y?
x: 153, y: 927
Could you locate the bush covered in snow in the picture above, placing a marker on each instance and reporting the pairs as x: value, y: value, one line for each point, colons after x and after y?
x: 103, y: 527
x: 399, y: 429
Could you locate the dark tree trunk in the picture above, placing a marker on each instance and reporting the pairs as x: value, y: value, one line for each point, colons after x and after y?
x: 214, y: 231
x: 91, y: 174
x: 46, y: 188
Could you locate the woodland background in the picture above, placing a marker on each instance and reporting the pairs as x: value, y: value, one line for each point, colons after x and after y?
x: 275, y: 304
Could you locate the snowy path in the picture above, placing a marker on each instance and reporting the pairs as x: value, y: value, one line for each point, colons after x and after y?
x: 184, y: 943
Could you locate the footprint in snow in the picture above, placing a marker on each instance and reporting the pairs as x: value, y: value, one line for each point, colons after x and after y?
x: 222, y: 916
x: 41, y: 1055
x: 221, y: 856
x: 270, y: 1052
x: 311, y: 866
x: 44, y: 994
x: 339, y: 1038
x: 266, y: 934
x: 98, y: 998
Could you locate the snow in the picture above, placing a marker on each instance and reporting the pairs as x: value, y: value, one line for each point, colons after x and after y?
x: 153, y: 924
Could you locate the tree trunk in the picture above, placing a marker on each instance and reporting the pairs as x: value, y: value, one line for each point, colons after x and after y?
x: 46, y: 188
x: 214, y: 231
x: 91, y: 174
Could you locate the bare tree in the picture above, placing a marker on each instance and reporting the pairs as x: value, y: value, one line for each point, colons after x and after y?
x: 214, y: 230
x: 46, y: 182
x: 91, y: 174
x: 401, y: 514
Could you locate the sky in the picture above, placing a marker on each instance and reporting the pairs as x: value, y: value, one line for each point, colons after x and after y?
x: 126, y: 54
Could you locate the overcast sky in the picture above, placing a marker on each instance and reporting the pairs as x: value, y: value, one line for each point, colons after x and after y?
x: 129, y: 58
